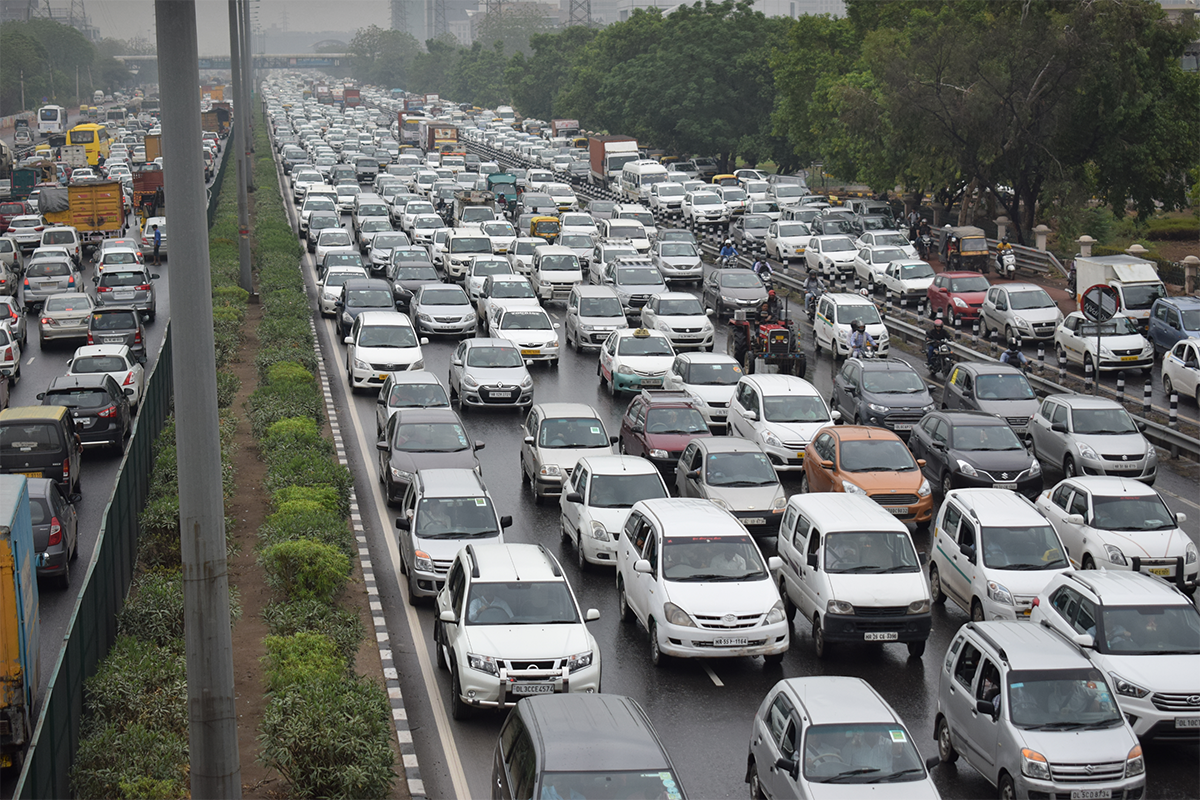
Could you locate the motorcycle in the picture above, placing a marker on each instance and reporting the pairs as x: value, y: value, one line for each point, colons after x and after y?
x: 728, y: 262
x: 942, y: 359
x: 810, y: 302
x: 1071, y: 280
x: 925, y: 246
x: 1006, y: 264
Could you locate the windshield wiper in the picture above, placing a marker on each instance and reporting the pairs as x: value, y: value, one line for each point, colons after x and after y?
x: 1024, y: 566
x: 850, y: 774
x: 893, y: 775
x: 703, y: 576
x: 860, y: 568
x: 743, y: 483
x: 900, y: 568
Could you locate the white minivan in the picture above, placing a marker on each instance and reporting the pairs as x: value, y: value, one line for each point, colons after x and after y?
x: 836, y: 312
x: 638, y: 176
x: 850, y: 570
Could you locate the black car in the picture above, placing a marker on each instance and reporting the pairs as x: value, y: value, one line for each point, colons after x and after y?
x: 55, y: 530
x: 317, y: 222
x: 103, y: 417
x: 118, y: 325
x: 971, y: 449
x: 359, y: 295
x: 417, y: 439
x: 885, y: 393
x: 340, y: 258
x: 407, y: 278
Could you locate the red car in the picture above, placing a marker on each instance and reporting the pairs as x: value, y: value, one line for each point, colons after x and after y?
x: 658, y: 424
x: 957, y: 294
x: 10, y: 209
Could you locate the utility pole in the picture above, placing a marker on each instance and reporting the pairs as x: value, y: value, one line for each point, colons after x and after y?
x: 212, y: 715
x: 23, y: 107
x: 248, y: 90
x: 77, y: 84
x: 242, y: 112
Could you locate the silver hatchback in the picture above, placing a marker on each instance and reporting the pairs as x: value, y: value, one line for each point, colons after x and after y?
x: 46, y: 278
x: 128, y: 286
x: 65, y: 316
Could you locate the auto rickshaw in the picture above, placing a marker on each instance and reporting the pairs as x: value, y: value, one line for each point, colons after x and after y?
x: 545, y: 227
x: 725, y: 180
x: 965, y: 249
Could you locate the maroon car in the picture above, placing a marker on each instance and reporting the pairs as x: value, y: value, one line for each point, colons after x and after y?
x: 658, y: 424
x: 957, y: 294
x: 10, y: 209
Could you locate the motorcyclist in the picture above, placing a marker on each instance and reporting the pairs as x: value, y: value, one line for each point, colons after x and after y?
x: 939, y: 334
x: 860, y: 340
x: 728, y: 253
x: 763, y: 269
x: 814, y: 287
x: 1013, y: 354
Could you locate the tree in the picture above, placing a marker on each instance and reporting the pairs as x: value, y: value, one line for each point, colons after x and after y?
x: 535, y: 82
x: 431, y: 70
x: 383, y: 57
x: 513, y: 26
x: 478, y: 73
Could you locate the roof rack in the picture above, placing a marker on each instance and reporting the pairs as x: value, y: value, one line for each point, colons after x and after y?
x: 474, y: 561
x: 995, y: 645
x: 554, y: 567
x: 666, y: 396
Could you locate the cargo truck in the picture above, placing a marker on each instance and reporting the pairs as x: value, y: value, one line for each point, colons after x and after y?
x: 608, y: 155
x: 352, y: 97
x: 438, y: 136
x: 564, y: 127
x: 1135, y: 279
x: 153, y: 144
x: 19, y: 644
x: 95, y: 209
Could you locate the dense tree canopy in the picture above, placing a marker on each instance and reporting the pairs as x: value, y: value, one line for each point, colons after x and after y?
x: 42, y: 56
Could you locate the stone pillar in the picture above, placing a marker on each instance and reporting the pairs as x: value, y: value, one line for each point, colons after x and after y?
x: 938, y: 210
x: 1041, y: 232
x: 1002, y: 224
x: 1137, y: 251
x: 1085, y: 243
x: 1191, y: 265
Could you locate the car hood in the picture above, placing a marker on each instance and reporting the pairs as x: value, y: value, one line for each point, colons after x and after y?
x: 1038, y: 315
x: 672, y: 441
x: 795, y: 431
x: 995, y: 461
x: 897, y: 400
x: 1127, y: 342
x: 746, y: 498
x: 793, y: 241
x: 388, y: 355
x: 907, y: 790
x: 1146, y: 544
x: 1158, y: 673
x: 712, y: 394
x: 747, y: 293
x: 691, y: 321
x: 720, y: 598
x: 867, y: 589
x: 1079, y: 747
x: 916, y: 284
x: 971, y: 298
x: 534, y: 642
x: 494, y: 376
x: 445, y: 311
x: 1009, y: 408
x: 447, y: 549
x: 841, y: 256
x: 680, y: 261
x: 568, y: 457
x: 411, y: 462
x: 1133, y: 445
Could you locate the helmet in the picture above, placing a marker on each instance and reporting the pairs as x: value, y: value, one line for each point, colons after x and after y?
x: 864, y: 293
x: 857, y: 325
x: 937, y: 323
x: 729, y: 241
x: 771, y: 293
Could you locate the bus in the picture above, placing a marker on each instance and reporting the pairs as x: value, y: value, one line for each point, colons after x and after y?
x: 93, y: 138
x: 150, y: 106
x: 51, y: 119
x: 115, y: 117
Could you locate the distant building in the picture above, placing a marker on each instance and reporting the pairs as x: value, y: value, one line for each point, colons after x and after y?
x: 621, y: 9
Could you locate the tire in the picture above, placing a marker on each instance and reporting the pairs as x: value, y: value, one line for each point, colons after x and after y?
x: 820, y: 648
x: 657, y: 657
x: 789, y: 608
x: 1069, y: 470
x: 64, y: 581
x: 947, y: 484
x: 1008, y: 334
x: 935, y: 586
x: 1007, y: 790
x: 804, y: 487
x: 1088, y: 562
x: 458, y: 709
x: 916, y: 649
x: 411, y: 585
x: 756, y: 790
x: 773, y: 660
x: 580, y: 561
x: 439, y: 649
x: 624, y: 612
x: 945, y: 744
x: 976, y: 611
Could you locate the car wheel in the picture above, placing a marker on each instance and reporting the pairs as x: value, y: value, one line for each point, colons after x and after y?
x: 756, y: 790
x: 945, y: 745
x: 1168, y: 387
x: 773, y: 660
x: 804, y: 487
x: 459, y: 709
x: 580, y: 560
x: 916, y: 649
x: 657, y: 657
x: 947, y: 484
x: 820, y: 648
x: 64, y: 580
x: 1069, y: 470
x: 1007, y: 790
x: 976, y: 610
x: 789, y: 608
x: 624, y: 612
x: 612, y: 387
x: 411, y: 585
x: 1088, y: 562
x: 935, y: 586
x: 439, y: 649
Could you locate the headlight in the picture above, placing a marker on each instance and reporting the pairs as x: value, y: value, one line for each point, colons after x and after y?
x: 483, y: 663
x: 1127, y: 688
x: 1036, y: 467
x: 359, y: 364
x: 771, y: 439
x: 878, y: 409
x: 1087, y: 452
x: 550, y: 470
x: 924, y: 489
x: 728, y: 299
x: 779, y: 502
x: 467, y: 317
x: 599, y: 533
x: 656, y: 453
x: 470, y: 381
x: 852, y: 488
x: 677, y: 616
x: 418, y: 364
x: 401, y: 475
x: 918, y: 607
x: 960, y: 303
x: 1189, y: 555
x: 1022, y: 324
x: 424, y: 317
x: 1033, y: 765
x: 587, y: 328
x: 1134, y: 763
x: 527, y: 382
x: 775, y: 614
x: 998, y: 593
x: 928, y: 408
x: 840, y: 607
x: 1115, y: 555
x: 967, y: 469
x: 422, y: 561
x: 719, y: 503
x: 579, y: 661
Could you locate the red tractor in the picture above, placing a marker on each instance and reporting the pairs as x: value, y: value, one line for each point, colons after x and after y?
x: 766, y: 344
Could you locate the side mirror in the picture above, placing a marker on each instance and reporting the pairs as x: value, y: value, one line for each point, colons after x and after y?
x: 574, y: 497
x: 789, y: 766
x: 557, y: 326
x: 812, y: 560
x: 382, y: 445
x: 456, y: 362
x: 985, y: 707
x: 154, y: 276
x: 774, y: 564
x: 1058, y: 427
x: 448, y: 616
x: 74, y: 498
x: 836, y: 416
x: 424, y: 340
x: 826, y: 464
x: 694, y: 474
x: 921, y: 463
x: 348, y: 340
x: 1141, y: 426
x: 614, y: 439
x: 528, y: 440
x: 506, y: 521
x: 129, y: 391
x: 636, y: 429
x: 41, y: 395
x: 932, y: 762
x: 592, y: 615
x: 1180, y: 517
x: 1074, y: 519
x: 922, y: 557
x: 643, y: 566
x: 403, y: 524
x: 478, y: 445
x: 751, y: 415
x: 969, y: 553
x: 852, y: 390
x: 710, y: 311
x: 1084, y: 640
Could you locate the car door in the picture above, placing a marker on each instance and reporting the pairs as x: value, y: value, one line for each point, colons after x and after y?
x: 690, y: 461
x: 937, y: 444
x: 529, y: 455
x: 1074, y: 534
x: 408, y: 511
x: 776, y: 736
x: 990, y: 312
x: 607, y: 354
x: 1048, y: 444
x: 1069, y: 340
x: 633, y: 429
x: 633, y: 544
x: 650, y: 313
x: 982, y: 729
x: 736, y: 418
x: 813, y: 584
x: 676, y: 376
x: 955, y: 578
x: 918, y: 442
x: 823, y: 323
x: 959, y: 703
x: 937, y: 294
x: 845, y: 388
x: 572, y: 513
x: 456, y: 365
x: 820, y: 477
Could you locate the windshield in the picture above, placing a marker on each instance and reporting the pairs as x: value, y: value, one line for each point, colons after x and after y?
x: 839, y: 245
x: 639, y: 277
x: 870, y: 551
x: 374, y: 225
x: 47, y: 269
x: 1067, y: 699
x: 706, y: 200
x: 493, y: 357
x: 794, y: 408
x: 430, y: 437
x: 697, y: 559
x: 740, y: 279
x: 644, y: 346
x: 333, y: 238
x: 416, y: 274
x: 498, y: 229
x: 386, y: 241
x: 675, y: 421
x: 444, y: 297
x: 724, y: 374
x: 343, y: 259
x: 861, y: 753
x: 490, y: 267
x: 1003, y: 387
x: 1141, y: 296
x: 891, y: 239
x: 510, y: 289
x: 577, y: 241
x: 670, y: 191
x: 674, y: 249
x: 427, y: 221
x: 521, y: 603
x: 560, y: 263
x: 387, y: 336
x: 600, y: 307
x: 456, y: 518
x: 733, y: 195
x: 756, y: 222
x: 319, y: 204
x: 1102, y: 421
x: 1150, y: 630
x: 113, y: 278
x: 892, y: 382
x: 611, y: 254
x: 866, y: 312
x: 626, y: 231
x: 472, y: 245
x: 985, y: 437
x: 681, y: 307
x: 417, y: 395
x: 1021, y: 301
x: 876, y: 455
x: 86, y: 365
x: 610, y: 785
x: 579, y: 432
x: 794, y: 229
x: 644, y: 217
x: 1131, y: 514
x: 477, y: 214
x: 525, y: 321
x: 912, y: 272
x: 1117, y: 326
x: 1022, y: 548
x: 739, y: 469
x: 622, y: 491
x: 78, y: 398
x: 369, y: 298
x: 976, y: 283
x: 1191, y: 319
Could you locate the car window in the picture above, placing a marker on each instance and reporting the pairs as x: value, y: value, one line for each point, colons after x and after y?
x: 1060, y: 496
x: 966, y: 534
x: 951, y: 519
x: 988, y: 688
x: 1079, y: 504
x: 651, y: 553
x: 781, y: 724
x: 1060, y: 414
x: 967, y: 665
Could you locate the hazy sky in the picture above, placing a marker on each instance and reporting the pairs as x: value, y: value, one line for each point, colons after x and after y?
x: 127, y: 19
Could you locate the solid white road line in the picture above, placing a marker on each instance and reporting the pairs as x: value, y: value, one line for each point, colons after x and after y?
x: 712, y: 675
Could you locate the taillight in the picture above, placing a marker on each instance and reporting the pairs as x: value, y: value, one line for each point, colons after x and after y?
x: 103, y: 288
x: 128, y: 380
x: 55, y: 531
x: 90, y: 338
x: 137, y: 337
x: 8, y: 353
x: 27, y: 283
x: 108, y: 413
x: 40, y: 228
x: 66, y: 469
x: 145, y: 287
x: 48, y: 321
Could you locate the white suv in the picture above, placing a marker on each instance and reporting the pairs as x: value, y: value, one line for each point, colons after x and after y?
x: 1143, y: 633
x: 509, y: 626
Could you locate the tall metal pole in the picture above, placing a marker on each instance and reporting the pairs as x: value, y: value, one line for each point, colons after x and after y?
x: 241, y: 120
x: 248, y: 91
x: 212, y: 717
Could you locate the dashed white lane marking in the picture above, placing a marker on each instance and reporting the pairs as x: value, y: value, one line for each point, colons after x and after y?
x: 713, y: 675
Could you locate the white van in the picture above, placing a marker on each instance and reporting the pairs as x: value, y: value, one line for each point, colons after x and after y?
x: 638, y: 176
x: 555, y: 272
x: 851, y: 571
x: 836, y: 312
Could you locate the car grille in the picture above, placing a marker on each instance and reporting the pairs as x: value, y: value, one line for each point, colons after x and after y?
x: 1044, y: 328
x: 688, y: 330
x: 442, y: 566
x: 1121, y: 457
x: 499, y: 394
x: 1004, y: 477
x: 648, y: 373
x: 881, y: 611
x: 1166, y: 701
x: 1134, y: 352
x: 718, y: 405
x: 797, y: 446
x: 1089, y: 772
x: 1017, y: 422
x: 523, y: 664
x: 749, y: 643
x: 904, y: 418
x: 722, y: 623
x: 895, y: 499
x: 389, y: 367
x: 638, y: 300
x: 447, y: 319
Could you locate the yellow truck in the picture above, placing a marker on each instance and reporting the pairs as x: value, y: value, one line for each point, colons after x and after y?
x: 153, y: 144
x: 95, y: 209
x: 19, y: 643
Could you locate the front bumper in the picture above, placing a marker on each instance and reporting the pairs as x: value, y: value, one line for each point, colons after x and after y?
x: 692, y: 340
x: 920, y: 511
x: 506, y: 397
x: 761, y: 522
x: 670, y: 273
x: 539, y: 353
x: 374, y: 378
x: 593, y: 338
x: 1141, y: 469
x: 1116, y: 363
x: 484, y: 690
x: 1032, y: 789
x: 785, y: 459
x: 1162, y: 715
x: 625, y: 382
x: 599, y: 551
x: 458, y: 327
x: 695, y: 642
x: 861, y: 627
x: 1023, y: 483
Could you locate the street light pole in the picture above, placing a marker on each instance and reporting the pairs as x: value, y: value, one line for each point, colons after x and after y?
x: 212, y: 715
x: 241, y: 121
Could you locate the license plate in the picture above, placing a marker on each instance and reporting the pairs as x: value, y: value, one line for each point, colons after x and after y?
x: 1187, y: 722
x: 899, y: 512
x: 902, y: 426
x: 504, y: 395
x: 1164, y: 572
x: 123, y: 295
x: 649, y: 382
x: 754, y: 521
x: 85, y: 420
x: 31, y: 474
x: 1091, y: 794
x: 531, y: 352
x: 731, y: 642
x: 532, y: 688
x: 1006, y: 486
x: 1129, y: 358
x: 881, y: 636
x: 800, y: 455
x: 383, y: 376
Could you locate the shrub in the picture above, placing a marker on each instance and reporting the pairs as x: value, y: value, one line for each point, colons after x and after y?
x: 228, y: 385
x: 231, y: 296
x: 158, y: 542
x: 324, y: 496
x: 330, y: 739
x: 276, y: 401
x: 301, y: 657
x: 303, y: 519
x: 290, y: 351
x: 303, y: 470
x: 140, y: 682
x: 341, y: 626
x: 306, y: 570
x: 287, y: 437
x: 132, y: 761
x: 288, y: 372
x: 154, y: 610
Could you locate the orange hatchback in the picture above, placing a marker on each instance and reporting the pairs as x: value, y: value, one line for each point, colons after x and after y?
x: 860, y: 459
